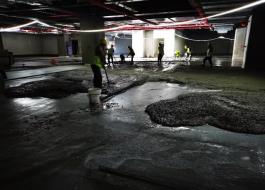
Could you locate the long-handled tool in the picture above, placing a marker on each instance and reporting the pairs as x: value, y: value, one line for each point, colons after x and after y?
x: 106, y: 75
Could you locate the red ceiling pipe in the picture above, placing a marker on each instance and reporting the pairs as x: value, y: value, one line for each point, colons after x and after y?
x: 177, y: 27
x: 101, y: 4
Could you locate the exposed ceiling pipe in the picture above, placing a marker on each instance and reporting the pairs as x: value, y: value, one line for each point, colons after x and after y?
x: 178, y: 27
x: 197, y: 6
x: 122, y: 11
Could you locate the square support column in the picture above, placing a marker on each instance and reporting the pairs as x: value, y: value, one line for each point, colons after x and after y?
x: 90, y: 40
x: 256, y: 42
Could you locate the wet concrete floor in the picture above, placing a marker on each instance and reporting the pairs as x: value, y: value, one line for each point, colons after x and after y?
x: 11, y: 75
x: 61, y: 144
x: 39, y: 62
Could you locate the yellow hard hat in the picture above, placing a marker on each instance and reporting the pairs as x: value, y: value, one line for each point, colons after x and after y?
x: 103, y: 42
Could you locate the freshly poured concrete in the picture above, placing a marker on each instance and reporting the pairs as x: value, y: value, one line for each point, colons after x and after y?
x: 60, y: 144
x: 222, y: 110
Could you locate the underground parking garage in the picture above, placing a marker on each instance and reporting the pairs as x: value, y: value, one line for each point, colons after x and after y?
x: 132, y: 94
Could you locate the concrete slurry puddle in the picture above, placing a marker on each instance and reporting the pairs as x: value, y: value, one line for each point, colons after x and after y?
x: 139, y: 97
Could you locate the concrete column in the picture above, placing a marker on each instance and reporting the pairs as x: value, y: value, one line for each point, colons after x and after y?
x: 90, y: 40
x: 149, y: 44
x: 138, y: 43
x: 239, y: 47
x: 256, y: 42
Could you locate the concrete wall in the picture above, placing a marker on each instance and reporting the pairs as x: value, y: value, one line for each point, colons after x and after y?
x: 30, y: 44
x: 221, y: 46
x: 179, y: 43
x: 61, y: 41
x: 145, y: 43
x: 49, y: 44
x: 121, y: 46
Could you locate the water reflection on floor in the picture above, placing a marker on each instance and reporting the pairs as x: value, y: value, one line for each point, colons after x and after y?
x: 172, y: 64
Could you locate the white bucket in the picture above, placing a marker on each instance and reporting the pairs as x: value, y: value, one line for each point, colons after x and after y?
x: 94, y: 95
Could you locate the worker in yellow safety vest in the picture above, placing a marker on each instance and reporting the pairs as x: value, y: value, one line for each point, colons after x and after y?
x: 177, y: 53
x: 187, y: 53
x: 99, y: 62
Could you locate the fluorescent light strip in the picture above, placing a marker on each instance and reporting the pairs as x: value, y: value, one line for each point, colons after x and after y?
x: 128, y: 26
x: 190, y: 39
x: 14, y: 28
x: 237, y: 9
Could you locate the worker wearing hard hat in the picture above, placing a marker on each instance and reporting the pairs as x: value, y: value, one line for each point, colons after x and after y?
x: 99, y: 62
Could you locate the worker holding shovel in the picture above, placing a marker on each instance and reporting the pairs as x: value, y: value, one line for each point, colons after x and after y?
x: 99, y: 62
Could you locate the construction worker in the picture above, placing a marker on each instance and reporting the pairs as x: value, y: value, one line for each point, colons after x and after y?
x: 209, y: 54
x: 131, y: 53
x: 110, y: 55
x: 122, y: 59
x: 99, y: 62
x: 177, y: 53
x: 187, y: 53
x: 160, y: 53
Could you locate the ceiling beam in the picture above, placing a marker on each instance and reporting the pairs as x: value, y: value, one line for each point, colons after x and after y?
x: 152, y: 15
x: 121, y: 10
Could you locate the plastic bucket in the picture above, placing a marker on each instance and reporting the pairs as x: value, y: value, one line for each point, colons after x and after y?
x: 94, y: 95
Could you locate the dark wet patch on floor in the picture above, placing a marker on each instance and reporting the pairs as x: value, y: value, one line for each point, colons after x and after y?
x: 67, y: 83
x: 218, y: 110
x: 51, y: 88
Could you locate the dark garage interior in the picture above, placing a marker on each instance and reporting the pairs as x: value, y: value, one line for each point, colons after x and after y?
x: 132, y: 94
